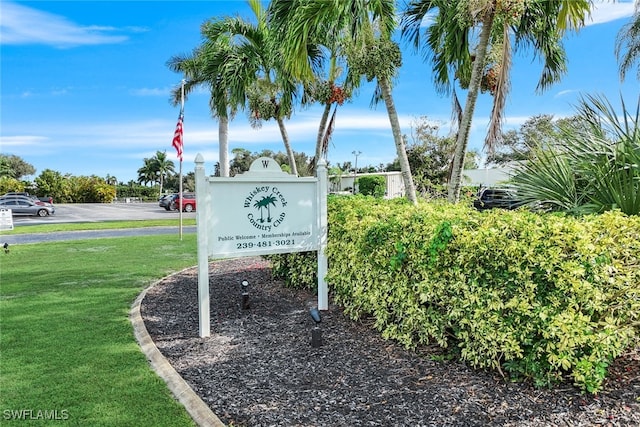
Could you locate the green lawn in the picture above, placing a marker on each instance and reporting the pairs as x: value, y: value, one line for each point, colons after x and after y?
x: 67, y: 348
x: 107, y: 225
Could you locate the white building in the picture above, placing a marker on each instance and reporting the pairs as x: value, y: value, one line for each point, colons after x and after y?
x: 486, y: 177
x: 344, y: 183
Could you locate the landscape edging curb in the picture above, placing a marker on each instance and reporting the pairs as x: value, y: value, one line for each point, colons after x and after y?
x: 199, y: 411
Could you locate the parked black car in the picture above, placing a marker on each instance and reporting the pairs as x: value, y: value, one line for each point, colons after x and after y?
x: 502, y: 198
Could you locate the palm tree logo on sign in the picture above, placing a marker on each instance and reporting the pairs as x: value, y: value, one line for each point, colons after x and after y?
x: 264, y: 201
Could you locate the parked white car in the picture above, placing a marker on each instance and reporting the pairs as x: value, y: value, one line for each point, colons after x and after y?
x: 26, y: 206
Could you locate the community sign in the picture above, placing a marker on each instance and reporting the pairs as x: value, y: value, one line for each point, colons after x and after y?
x: 263, y: 211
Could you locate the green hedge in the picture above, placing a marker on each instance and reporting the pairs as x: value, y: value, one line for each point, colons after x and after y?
x: 372, y: 185
x: 538, y: 296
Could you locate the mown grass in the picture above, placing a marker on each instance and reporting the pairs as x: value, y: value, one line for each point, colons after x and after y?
x: 107, y: 225
x: 66, y: 342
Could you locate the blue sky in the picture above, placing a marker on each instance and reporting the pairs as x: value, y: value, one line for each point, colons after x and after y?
x: 85, y: 88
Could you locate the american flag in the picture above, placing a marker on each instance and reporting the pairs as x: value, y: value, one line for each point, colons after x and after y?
x: 177, y: 136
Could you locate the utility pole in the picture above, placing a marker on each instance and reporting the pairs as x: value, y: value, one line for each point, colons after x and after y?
x: 355, y: 169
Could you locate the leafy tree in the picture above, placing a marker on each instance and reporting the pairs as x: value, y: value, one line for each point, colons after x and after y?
x: 8, y: 183
x: 374, y: 185
x: 430, y: 156
x: 241, y: 161
x: 627, y: 47
x: 90, y: 189
x: 172, y: 184
x: 243, y: 158
x: 54, y: 184
x: 516, y: 144
x: 5, y: 168
x: 111, y: 180
x: 14, y: 166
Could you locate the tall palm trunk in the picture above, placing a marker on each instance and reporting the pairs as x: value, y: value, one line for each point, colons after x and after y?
x: 462, y: 140
x: 321, y: 131
x: 223, y: 139
x: 287, y: 146
x: 409, y: 186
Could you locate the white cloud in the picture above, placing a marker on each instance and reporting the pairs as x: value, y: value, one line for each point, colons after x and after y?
x: 603, y: 12
x: 24, y: 25
x: 151, y: 92
x: 21, y: 140
x: 565, y: 92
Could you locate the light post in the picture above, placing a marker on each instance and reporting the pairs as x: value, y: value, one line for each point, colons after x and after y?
x: 245, y: 295
x: 316, y: 332
x: 355, y: 169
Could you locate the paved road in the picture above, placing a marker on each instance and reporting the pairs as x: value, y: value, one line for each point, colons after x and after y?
x: 98, y: 212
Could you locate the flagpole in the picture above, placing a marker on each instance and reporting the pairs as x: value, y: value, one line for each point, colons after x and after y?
x: 180, y: 173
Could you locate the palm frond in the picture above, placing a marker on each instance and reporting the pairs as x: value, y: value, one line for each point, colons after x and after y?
x: 596, y: 161
x: 494, y: 135
x: 627, y: 46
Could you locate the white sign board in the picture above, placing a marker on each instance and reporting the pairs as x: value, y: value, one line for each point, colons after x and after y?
x: 6, y: 219
x: 250, y: 219
x: 263, y: 211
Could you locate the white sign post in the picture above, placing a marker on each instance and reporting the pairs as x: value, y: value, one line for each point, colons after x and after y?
x: 263, y: 211
x: 6, y: 219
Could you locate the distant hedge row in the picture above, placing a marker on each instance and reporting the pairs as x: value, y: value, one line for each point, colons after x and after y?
x: 537, y: 296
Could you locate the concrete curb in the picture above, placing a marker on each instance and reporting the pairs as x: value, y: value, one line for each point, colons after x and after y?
x: 199, y: 411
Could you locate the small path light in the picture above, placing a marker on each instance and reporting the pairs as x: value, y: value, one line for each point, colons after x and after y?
x: 245, y: 295
x: 316, y: 332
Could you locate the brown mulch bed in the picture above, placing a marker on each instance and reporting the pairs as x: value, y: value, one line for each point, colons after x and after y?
x: 258, y: 367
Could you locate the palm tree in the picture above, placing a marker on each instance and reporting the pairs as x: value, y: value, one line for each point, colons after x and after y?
x: 203, y: 67
x: 342, y: 26
x: 628, y: 44
x: 112, y: 180
x: 268, y: 202
x: 147, y: 173
x: 536, y: 23
x: 238, y: 58
x: 255, y: 69
x: 163, y: 166
x: 324, y: 73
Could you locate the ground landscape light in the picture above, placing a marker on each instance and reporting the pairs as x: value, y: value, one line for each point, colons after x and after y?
x: 245, y: 295
x: 316, y: 332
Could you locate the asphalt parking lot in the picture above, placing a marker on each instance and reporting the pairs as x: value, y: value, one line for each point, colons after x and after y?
x: 98, y: 212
